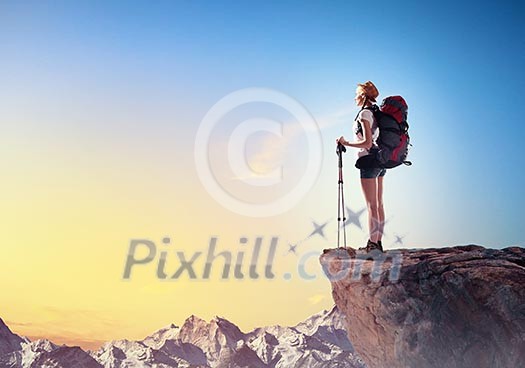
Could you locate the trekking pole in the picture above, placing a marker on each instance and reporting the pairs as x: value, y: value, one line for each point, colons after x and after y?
x: 340, y: 196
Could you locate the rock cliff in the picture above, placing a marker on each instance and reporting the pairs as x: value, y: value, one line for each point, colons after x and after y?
x: 461, y: 307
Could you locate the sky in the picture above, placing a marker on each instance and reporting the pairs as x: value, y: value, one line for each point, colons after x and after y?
x: 103, y: 104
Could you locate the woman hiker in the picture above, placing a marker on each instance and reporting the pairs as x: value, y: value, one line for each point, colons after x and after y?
x: 366, y: 133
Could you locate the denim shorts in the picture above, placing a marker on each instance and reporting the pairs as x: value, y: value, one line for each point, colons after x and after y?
x: 372, y: 173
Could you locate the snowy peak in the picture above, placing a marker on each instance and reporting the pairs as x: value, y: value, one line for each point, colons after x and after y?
x: 8, y: 340
x: 194, y: 320
x: 224, y: 332
x: 318, y: 342
x: 193, y: 329
x: 193, y: 324
x: 65, y: 357
x: 222, y: 326
x: 158, y: 338
x: 327, y: 326
x: 244, y: 357
x: 330, y: 318
x: 42, y: 345
x: 190, y: 353
x: 113, y: 354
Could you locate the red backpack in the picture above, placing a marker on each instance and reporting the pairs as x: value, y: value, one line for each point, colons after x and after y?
x: 393, y: 141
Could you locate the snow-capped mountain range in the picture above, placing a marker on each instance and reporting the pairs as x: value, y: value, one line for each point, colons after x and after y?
x: 318, y: 342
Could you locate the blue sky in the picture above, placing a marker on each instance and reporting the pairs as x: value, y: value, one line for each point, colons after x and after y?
x: 138, y: 76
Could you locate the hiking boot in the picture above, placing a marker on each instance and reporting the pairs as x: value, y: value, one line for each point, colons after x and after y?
x: 370, y: 246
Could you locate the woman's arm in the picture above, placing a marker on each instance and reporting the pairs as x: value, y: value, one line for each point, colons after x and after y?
x: 366, y: 142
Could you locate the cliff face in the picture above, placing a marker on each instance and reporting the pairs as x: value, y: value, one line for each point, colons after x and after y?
x: 449, y: 307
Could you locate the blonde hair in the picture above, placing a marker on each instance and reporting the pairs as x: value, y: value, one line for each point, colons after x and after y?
x: 368, y: 90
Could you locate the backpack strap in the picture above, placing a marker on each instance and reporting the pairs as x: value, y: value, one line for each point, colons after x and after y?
x: 362, y: 108
x: 372, y: 108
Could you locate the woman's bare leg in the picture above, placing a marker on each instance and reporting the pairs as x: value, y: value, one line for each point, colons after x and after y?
x: 369, y: 187
x: 380, y: 208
